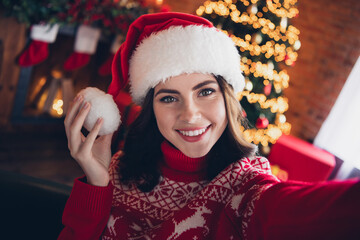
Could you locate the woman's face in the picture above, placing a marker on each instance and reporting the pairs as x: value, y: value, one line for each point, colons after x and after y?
x: 190, y: 112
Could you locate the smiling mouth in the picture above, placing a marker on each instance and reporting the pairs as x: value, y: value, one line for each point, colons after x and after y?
x: 193, y: 133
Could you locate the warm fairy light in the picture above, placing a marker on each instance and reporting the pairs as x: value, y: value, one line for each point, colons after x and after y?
x: 281, y: 79
x: 248, y: 85
x: 253, y: 9
x: 297, y: 45
x: 200, y: 10
x: 267, y: 27
x: 258, y: 39
x: 283, y: 24
x: 57, y: 106
x: 270, y: 48
x: 276, y: 105
x: 264, y: 136
x: 286, y: 9
x: 282, y: 118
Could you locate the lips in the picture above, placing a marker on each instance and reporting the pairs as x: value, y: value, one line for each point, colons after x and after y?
x: 193, y: 135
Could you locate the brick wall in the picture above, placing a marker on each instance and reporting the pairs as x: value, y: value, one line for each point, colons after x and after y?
x: 330, y: 39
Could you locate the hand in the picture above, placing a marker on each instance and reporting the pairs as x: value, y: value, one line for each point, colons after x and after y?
x: 91, y: 153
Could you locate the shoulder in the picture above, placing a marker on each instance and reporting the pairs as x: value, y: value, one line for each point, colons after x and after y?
x: 244, y: 170
x: 252, y: 177
x: 255, y: 164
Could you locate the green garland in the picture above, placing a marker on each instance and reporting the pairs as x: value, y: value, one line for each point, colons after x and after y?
x: 112, y: 16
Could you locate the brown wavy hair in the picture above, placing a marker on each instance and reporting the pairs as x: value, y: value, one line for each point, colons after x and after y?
x: 142, y: 152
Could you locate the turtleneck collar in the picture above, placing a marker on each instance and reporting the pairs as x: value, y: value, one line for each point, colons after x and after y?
x: 180, y: 167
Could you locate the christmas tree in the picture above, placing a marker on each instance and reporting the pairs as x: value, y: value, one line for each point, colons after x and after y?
x: 267, y: 44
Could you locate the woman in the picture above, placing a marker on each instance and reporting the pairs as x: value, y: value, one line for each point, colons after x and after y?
x: 186, y: 172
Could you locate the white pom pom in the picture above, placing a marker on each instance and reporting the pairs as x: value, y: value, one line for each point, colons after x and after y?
x: 102, y: 105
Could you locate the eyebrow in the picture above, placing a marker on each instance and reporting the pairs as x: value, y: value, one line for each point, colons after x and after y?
x: 203, y: 84
x: 165, y: 90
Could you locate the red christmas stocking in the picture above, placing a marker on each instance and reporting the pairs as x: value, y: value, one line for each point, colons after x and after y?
x: 38, y: 49
x: 85, y: 45
x: 105, y: 68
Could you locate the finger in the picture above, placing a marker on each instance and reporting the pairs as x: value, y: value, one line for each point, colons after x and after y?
x: 77, y: 124
x: 83, y: 138
x: 106, y: 139
x: 72, y: 111
x: 90, y: 139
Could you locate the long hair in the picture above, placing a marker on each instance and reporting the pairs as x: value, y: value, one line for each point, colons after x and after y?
x: 142, y: 152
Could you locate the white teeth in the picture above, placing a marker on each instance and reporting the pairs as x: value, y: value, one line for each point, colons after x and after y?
x: 193, y: 133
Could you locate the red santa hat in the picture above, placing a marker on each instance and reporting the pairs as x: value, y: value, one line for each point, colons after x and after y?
x: 162, y: 45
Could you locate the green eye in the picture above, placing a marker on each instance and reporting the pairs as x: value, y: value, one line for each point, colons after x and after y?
x: 206, y: 92
x: 168, y: 99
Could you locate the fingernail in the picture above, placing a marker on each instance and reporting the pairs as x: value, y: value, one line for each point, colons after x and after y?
x: 99, y: 120
x: 79, y: 98
x: 86, y: 105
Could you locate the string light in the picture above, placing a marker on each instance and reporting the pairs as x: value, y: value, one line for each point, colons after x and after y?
x: 281, y: 79
x: 57, y: 106
x: 285, y: 9
x: 270, y: 48
x: 275, y: 105
x: 248, y: 85
x: 223, y: 9
x: 283, y: 24
x: 264, y: 136
x: 253, y: 9
x: 297, y: 45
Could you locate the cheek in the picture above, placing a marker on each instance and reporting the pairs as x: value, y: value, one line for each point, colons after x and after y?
x: 163, y: 119
x: 219, y: 113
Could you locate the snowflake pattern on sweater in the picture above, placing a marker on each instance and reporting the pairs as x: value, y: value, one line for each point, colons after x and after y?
x: 219, y: 209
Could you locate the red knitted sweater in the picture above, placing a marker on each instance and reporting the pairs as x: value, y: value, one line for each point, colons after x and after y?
x: 243, y: 202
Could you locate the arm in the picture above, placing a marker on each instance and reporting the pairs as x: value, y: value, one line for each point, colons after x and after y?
x: 87, y: 211
x: 88, y: 208
x: 328, y: 210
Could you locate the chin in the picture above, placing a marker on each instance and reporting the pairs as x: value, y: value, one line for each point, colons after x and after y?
x: 195, y: 153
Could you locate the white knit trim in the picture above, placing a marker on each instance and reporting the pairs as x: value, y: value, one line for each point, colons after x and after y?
x: 45, y: 33
x: 178, y: 50
x: 86, y: 39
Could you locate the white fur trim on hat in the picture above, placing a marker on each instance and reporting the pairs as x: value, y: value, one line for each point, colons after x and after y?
x: 178, y: 50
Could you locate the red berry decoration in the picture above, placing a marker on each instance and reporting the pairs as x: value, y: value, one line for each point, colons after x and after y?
x: 262, y: 122
x: 267, y: 89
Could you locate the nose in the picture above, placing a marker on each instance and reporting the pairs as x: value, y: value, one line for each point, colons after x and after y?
x: 190, y: 112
